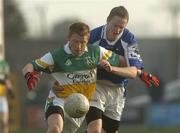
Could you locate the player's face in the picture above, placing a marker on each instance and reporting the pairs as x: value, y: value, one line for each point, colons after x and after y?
x: 115, y: 26
x: 78, y: 43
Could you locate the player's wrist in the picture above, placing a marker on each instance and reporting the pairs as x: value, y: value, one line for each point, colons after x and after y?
x: 28, y: 75
x: 114, y: 69
x: 141, y: 73
x: 145, y: 74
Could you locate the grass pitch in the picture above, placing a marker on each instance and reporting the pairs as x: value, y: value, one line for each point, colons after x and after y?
x: 123, y: 129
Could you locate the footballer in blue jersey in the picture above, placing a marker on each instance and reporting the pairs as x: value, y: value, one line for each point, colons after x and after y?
x: 124, y: 45
x: 108, y: 101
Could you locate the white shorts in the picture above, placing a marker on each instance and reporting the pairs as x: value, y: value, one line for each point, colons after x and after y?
x: 109, y: 98
x: 3, y: 104
x: 71, y: 125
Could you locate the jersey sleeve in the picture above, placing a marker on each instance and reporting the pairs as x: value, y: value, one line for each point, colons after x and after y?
x: 131, y: 50
x: 104, y: 53
x: 111, y: 57
x: 134, y: 56
x: 45, y: 63
x: 95, y: 35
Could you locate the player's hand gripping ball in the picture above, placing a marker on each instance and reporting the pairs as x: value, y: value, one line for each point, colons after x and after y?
x: 76, y: 105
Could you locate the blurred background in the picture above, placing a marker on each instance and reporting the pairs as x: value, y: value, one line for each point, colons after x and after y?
x: 33, y: 27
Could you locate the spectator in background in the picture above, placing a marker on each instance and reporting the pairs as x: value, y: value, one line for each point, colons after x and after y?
x: 5, y: 88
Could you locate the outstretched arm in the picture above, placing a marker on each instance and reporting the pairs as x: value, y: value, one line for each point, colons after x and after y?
x: 131, y: 72
x: 148, y: 78
x: 128, y: 72
x: 32, y: 77
x: 27, y: 68
x: 32, y: 71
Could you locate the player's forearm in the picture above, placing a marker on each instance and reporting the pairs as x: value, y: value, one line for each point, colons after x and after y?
x: 139, y: 72
x: 32, y: 77
x: 128, y: 72
x: 28, y: 68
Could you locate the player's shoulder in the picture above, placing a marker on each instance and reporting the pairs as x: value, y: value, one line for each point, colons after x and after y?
x: 95, y: 34
x: 94, y: 46
x: 97, y: 30
x: 56, y: 51
x: 128, y: 37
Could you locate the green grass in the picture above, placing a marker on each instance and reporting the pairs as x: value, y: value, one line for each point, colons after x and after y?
x: 30, y: 131
x: 140, y: 129
x: 123, y: 129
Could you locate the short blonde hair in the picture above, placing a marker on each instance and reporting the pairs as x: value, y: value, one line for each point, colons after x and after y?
x: 79, y: 28
x: 119, y: 11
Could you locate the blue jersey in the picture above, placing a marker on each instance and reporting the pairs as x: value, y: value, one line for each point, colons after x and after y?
x: 125, y: 45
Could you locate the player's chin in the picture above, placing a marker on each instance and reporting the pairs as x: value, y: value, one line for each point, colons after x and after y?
x: 79, y: 53
x: 115, y: 35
